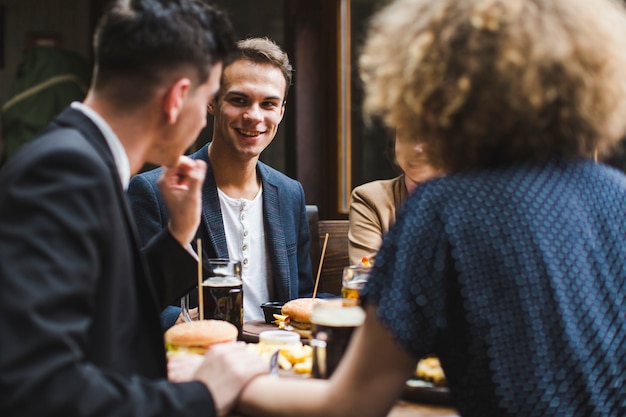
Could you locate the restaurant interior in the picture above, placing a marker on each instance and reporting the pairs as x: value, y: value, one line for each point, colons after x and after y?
x: 323, y: 141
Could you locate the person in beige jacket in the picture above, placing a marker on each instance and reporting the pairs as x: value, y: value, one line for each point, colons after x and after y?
x: 374, y: 204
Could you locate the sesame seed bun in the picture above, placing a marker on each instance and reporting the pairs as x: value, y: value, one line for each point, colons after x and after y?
x: 201, y: 333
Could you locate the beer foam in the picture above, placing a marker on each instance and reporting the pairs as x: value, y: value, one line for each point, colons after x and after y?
x: 355, y: 284
x: 352, y: 316
x: 227, y: 281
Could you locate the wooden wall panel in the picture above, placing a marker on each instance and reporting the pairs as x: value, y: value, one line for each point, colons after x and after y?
x: 311, y: 34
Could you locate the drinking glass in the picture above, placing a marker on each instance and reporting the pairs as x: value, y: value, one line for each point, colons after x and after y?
x: 222, y: 293
x: 333, y: 322
x: 354, y: 279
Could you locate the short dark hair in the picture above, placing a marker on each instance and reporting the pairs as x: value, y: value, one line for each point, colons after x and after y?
x: 140, y: 42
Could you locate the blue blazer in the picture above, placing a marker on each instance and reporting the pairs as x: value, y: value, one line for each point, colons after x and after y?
x: 286, y: 226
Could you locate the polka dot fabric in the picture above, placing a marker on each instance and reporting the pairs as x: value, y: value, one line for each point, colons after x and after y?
x: 515, y: 278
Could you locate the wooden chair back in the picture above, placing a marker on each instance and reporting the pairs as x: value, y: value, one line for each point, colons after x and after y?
x: 336, y: 257
x: 314, y: 251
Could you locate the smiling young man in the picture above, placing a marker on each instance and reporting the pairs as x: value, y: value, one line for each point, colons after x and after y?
x: 251, y: 212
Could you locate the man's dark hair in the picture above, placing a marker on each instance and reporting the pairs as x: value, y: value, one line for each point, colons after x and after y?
x: 138, y: 43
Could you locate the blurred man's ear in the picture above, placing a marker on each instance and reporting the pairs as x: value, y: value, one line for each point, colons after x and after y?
x: 174, y: 99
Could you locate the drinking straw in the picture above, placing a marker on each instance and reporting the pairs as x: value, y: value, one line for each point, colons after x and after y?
x: 319, y: 268
x: 200, y: 292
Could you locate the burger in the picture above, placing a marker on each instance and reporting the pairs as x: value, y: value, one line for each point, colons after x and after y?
x: 429, y: 369
x: 197, y: 336
x: 296, y: 315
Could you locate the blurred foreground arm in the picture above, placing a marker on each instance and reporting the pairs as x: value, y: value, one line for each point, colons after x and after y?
x: 225, y: 369
x: 360, y: 385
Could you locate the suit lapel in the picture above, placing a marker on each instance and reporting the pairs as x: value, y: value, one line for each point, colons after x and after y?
x: 212, y: 224
x: 275, y: 236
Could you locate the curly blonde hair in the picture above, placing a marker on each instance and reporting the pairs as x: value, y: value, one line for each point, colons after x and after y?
x: 488, y: 82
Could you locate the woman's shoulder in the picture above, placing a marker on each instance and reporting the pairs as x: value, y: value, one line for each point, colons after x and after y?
x: 375, y: 188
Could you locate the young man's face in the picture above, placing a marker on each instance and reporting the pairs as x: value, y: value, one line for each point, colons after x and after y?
x: 249, y: 108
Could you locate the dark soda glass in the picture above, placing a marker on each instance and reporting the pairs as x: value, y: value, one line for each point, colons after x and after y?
x: 223, y: 300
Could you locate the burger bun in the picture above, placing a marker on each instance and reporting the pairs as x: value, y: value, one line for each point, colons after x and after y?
x: 299, y: 310
x: 197, y: 336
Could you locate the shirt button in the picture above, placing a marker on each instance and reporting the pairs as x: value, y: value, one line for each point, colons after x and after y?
x: 243, y: 217
x: 245, y: 261
x: 244, y: 247
x: 245, y: 233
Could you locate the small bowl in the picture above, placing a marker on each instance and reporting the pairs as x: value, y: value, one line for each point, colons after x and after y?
x: 270, y: 308
x: 279, y: 338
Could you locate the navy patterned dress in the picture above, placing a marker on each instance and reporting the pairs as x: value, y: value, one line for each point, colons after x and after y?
x: 516, y: 278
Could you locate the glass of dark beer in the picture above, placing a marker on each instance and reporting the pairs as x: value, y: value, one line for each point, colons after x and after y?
x: 333, y: 322
x: 222, y: 293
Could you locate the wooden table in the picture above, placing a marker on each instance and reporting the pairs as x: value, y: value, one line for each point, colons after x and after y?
x: 252, y: 329
x: 403, y: 408
x: 411, y: 409
x: 408, y: 409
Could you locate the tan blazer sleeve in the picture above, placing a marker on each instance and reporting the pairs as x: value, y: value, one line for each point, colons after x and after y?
x: 372, y: 211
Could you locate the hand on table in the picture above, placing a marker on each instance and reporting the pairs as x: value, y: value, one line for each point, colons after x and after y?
x: 226, y: 368
x: 182, y: 368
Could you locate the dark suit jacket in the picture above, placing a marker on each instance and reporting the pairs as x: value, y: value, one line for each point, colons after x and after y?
x: 79, y: 313
x: 285, y: 220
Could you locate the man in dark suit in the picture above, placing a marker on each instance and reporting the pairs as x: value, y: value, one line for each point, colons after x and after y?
x: 79, y: 303
x: 251, y: 212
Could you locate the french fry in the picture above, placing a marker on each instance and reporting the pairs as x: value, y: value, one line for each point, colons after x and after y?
x: 297, y: 353
x: 297, y: 357
x: 303, y: 367
x: 284, y: 363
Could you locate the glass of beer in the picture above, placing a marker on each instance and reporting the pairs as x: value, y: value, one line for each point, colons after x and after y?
x: 222, y: 294
x: 354, y: 279
x: 333, y: 322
